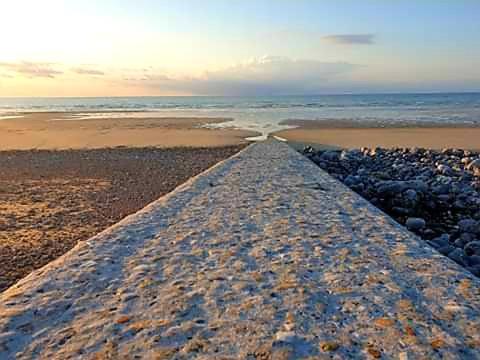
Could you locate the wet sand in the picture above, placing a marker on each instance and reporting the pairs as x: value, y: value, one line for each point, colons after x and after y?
x: 349, y: 135
x: 50, y: 200
x: 63, y: 131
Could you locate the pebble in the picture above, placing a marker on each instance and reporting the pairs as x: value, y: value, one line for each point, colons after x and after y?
x: 435, y: 194
x: 468, y: 226
x: 474, y: 166
x: 445, y: 250
x: 475, y: 270
x: 415, y: 224
x: 474, y: 260
x: 458, y: 256
x: 472, y: 248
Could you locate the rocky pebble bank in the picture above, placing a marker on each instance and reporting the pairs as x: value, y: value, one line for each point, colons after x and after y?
x: 435, y: 194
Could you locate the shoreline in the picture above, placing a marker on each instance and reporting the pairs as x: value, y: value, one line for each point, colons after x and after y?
x: 44, y: 131
x: 346, y: 136
x: 140, y: 128
x: 374, y: 124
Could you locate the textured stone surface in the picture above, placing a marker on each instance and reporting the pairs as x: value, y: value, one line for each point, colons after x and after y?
x: 264, y: 256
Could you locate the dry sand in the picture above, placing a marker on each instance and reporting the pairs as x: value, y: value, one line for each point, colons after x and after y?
x: 348, y: 135
x: 50, y: 200
x: 59, y: 131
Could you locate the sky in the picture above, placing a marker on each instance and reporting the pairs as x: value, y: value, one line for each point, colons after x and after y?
x: 237, y: 47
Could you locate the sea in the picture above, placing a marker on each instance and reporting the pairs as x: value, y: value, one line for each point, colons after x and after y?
x: 265, y: 113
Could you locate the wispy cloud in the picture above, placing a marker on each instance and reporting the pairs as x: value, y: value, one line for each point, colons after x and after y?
x: 87, y: 71
x: 269, y: 75
x: 351, y: 39
x: 31, y: 69
x: 148, y: 78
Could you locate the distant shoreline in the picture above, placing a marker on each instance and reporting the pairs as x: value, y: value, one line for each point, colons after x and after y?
x: 374, y: 124
x: 51, y: 131
x: 74, y: 130
x: 269, y: 114
x: 391, y: 137
x: 392, y: 93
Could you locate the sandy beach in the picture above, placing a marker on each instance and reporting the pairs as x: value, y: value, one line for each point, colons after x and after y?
x: 367, y: 134
x: 50, y: 200
x: 63, y: 131
x: 63, y: 180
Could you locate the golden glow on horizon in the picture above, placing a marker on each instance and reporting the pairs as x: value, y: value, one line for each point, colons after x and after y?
x: 85, y: 48
x: 57, y: 39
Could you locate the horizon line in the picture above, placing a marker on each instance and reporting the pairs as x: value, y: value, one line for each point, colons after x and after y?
x: 245, y: 96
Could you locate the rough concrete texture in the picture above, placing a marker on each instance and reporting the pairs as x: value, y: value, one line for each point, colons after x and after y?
x: 263, y: 256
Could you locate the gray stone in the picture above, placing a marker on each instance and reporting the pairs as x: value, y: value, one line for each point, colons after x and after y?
x: 351, y: 155
x: 411, y: 194
x: 458, y: 256
x: 352, y: 180
x: 442, y: 240
x: 474, y: 165
x: 475, y: 270
x: 460, y: 243
x: 467, y: 237
x: 445, y: 170
x: 391, y: 187
x: 441, y: 189
x: 443, y: 198
x: 415, y: 224
x: 469, y: 226
x: 445, y: 250
x: 330, y: 155
x: 417, y: 185
x: 466, y: 160
x: 472, y: 248
x: 382, y: 175
x: 474, y: 260
x: 398, y: 210
x: 410, y: 199
x: 460, y: 205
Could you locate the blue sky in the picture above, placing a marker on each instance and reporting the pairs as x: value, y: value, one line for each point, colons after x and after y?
x: 222, y: 47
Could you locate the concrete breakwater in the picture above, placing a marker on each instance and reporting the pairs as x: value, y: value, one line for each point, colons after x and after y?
x: 263, y: 256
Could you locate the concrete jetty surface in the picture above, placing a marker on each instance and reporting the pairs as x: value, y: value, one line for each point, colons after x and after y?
x: 264, y: 256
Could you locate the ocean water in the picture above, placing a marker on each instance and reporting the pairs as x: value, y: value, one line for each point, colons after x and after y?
x: 265, y: 114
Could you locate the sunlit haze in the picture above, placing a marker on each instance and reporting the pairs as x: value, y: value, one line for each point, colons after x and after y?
x: 220, y: 47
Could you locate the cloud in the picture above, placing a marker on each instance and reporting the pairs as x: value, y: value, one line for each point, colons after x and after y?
x: 31, y: 69
x: 87, y: 71
x: 268, y: 75
x: 148, y: 78
x: 351, y: 39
